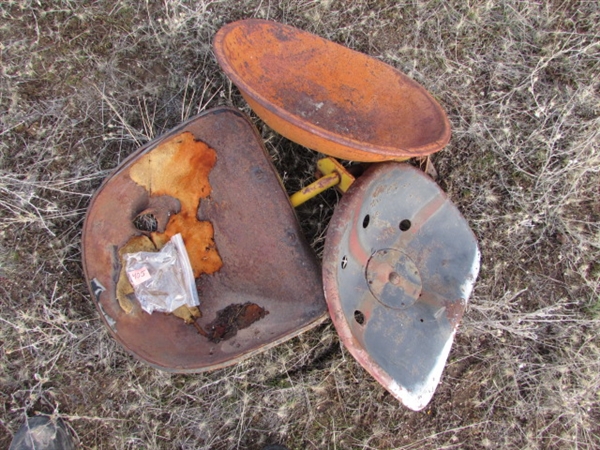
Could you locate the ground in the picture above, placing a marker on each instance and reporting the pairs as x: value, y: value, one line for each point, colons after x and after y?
x: 86, y: 83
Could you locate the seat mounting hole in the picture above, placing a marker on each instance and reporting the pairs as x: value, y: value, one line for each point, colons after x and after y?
x: 359, y: 317
x: 366, y: 221
x: 405, y: 225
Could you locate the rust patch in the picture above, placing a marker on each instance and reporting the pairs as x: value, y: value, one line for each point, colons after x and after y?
x: 233, y: 318
x: 454, y: 310
x: 179, y: 168
x: 199, y: 243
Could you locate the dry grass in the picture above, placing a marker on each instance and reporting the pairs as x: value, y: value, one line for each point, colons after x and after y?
x: 85, y: 83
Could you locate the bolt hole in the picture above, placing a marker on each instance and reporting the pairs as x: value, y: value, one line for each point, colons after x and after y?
x: 359, y: 317
x: 366, y: 221
x: 344, y: 262
x: 421, y: 320
x: 405, y: 225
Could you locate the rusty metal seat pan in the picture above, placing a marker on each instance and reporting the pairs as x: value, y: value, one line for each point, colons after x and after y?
x: 266, y: 260
x: 327, y: 97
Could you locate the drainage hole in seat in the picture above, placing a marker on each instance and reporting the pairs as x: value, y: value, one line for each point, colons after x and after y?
x: 366, y: 221
x: 359, y: 317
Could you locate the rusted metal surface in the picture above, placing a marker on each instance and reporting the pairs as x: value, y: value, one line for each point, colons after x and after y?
x: 399, y: 265
x: 269, y: 275
x: 327, y: 97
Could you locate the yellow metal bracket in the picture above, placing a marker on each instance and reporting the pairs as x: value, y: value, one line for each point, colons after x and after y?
x: 330, y: 165
x: 331, y: 173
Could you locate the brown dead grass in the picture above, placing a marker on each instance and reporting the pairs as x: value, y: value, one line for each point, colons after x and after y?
x: 84, y: 84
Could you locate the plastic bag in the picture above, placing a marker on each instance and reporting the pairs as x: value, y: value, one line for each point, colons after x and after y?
x: 162, y: 281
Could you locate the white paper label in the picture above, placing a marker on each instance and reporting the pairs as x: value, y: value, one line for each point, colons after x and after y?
x: 138, y: 276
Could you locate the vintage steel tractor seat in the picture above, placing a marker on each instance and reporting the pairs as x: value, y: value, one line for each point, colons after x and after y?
x: 258, y: 280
